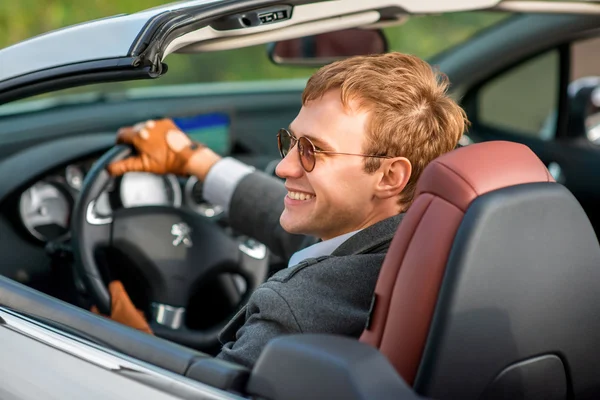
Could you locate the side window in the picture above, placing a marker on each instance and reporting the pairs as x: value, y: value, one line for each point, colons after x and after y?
x: 522, y: 100
x: 584, y: 90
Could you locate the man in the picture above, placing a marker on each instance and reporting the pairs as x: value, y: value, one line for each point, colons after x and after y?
x: 351, y: 159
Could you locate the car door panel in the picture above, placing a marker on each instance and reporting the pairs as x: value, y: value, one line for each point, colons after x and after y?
x: 41, y: 362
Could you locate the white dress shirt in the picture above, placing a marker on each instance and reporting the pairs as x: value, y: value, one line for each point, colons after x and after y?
x: 218, y: 189
x: 319, y: 249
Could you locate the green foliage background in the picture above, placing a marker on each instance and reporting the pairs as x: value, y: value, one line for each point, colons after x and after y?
x: 423, y: 36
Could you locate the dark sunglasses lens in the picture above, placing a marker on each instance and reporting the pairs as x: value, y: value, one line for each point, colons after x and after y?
x: 284, y: 142
x: 307, y: 154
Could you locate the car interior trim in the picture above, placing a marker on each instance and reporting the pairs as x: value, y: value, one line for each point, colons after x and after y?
x: 301, y: 24
x: 177, y: 195
x: 166, y: 42
x: 48, y: 155
x: 93, y: 218
x: 253, y: 249
x: 561, y: 7
x: 203, y: 208
x: 164, y: 24
x: 69, y: 76
x: 322, y: 15
x: 169, y: 316
x: 107, y: 359
x: 324, y: 366
x: 208, y: 39
x: 154, y: 40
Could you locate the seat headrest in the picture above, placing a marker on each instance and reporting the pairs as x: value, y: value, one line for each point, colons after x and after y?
x: 465, y: 173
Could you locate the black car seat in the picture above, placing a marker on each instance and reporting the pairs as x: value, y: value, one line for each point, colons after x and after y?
x: 491, y: 286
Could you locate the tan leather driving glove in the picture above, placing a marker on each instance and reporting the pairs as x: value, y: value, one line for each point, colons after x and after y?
x: 161, y: 146
x: 123, y: 310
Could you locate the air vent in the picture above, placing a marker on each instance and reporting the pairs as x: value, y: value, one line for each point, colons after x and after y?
x: 197, y: 193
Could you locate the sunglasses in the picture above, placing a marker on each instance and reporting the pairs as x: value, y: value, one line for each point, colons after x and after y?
x: 306, y: 149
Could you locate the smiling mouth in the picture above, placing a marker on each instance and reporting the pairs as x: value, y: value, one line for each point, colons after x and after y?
x: 300, y: 196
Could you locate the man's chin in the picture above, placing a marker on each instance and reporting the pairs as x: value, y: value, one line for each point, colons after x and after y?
x: 293, y: 224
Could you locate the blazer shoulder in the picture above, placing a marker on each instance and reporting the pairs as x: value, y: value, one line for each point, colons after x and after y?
x: 328, y: 270
x: 304, y: 267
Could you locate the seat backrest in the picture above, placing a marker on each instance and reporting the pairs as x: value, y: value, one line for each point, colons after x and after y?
x: 493, y: 265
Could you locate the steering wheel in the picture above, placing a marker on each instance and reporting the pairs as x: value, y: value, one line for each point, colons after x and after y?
x: 174, y: 249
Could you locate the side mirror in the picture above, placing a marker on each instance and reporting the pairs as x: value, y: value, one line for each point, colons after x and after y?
x: 584, y: 108
x: 318, y: 50
x: 592, y: 121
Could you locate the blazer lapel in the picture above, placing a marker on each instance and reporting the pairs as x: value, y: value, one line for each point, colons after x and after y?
x: 370, y: 238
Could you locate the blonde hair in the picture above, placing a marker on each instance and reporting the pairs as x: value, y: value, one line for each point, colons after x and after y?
x: 411, y: 114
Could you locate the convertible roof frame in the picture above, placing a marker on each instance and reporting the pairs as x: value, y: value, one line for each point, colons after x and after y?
x: 52, y: 61
x: 313, y: 18
x: 144, y: 36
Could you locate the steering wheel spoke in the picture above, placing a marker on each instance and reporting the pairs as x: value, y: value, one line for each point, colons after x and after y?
x: 169, y: 316
x: 92, y: 230
x: 254, y: 260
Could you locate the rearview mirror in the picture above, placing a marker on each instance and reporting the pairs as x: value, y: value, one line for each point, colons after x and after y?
x: 328, y: 47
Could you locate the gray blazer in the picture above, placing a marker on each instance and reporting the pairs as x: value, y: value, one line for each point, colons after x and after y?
x: 330, y: 294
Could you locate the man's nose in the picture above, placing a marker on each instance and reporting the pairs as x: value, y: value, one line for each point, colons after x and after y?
x: 289, y: 166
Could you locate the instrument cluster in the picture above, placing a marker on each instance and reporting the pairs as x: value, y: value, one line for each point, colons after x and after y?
x: 45, y: 207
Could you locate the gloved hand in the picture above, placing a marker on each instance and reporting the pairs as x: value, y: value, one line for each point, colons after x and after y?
x: 122, y: 309
x: 162, y: 149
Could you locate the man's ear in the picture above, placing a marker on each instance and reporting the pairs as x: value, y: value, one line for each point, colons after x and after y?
x: 394, y: 175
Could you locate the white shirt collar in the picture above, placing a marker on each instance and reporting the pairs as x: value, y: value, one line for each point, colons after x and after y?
x: 319, y: 249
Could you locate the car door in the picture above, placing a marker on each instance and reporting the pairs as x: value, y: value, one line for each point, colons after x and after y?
x: 44, y: 362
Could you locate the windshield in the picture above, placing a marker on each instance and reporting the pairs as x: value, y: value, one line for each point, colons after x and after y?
x: 424, y: 36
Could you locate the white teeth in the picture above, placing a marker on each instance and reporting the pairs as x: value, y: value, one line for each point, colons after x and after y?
x: 300, y: 196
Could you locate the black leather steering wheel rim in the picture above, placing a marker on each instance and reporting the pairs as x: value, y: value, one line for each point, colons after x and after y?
x: 94, y: 183
x: 89, y: 231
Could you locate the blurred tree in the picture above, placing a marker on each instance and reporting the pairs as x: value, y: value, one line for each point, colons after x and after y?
x: 21, y: 19
x: 428, y: 35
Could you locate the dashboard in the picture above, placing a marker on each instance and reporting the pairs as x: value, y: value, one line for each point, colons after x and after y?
x: 37, y: 146
x: 40, y: 182
x: 45, y: 206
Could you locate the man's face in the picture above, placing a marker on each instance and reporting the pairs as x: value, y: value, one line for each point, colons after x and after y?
x: 337, y: 196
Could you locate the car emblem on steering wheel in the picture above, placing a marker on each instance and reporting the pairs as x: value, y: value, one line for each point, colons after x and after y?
x: 181, y: 231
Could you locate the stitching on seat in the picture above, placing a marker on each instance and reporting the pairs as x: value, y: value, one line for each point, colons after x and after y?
x: 446, y: 201
x: 460, y: 176
x: 437, y: 294
x: 549, y: 177
x: 402, y: 262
